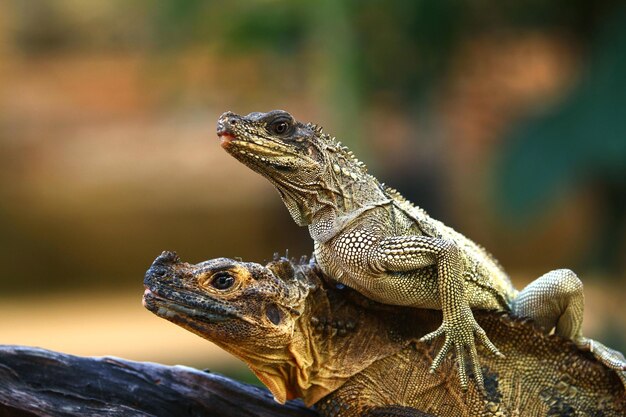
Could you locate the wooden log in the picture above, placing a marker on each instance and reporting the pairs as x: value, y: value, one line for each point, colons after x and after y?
x: 39, y: 382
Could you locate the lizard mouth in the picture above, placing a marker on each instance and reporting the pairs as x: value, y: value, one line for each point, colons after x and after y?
x: 260, y: 154
x: 225, y: 139
x: 175, y: 311
x: 225, y: 133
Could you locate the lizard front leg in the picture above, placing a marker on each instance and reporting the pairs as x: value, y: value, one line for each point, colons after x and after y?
x: 556, y: 300
x: 406, y: 253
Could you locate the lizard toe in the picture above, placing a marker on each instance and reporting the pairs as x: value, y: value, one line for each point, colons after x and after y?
x: 478, y: 373
x: 441, y: 355
x: 460, y: 357
x: 484, y: 340
x: 433, y: 335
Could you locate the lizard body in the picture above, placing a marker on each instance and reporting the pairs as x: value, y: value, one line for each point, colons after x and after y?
x: 349, y: 356
x: 367, y: 236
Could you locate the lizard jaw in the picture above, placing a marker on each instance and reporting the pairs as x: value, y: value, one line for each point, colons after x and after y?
x: 177, y: 312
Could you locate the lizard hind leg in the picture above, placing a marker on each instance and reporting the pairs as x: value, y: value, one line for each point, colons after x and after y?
x: 556, y: 301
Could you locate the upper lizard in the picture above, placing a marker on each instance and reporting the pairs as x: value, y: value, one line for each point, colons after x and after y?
x: 305, y: 337
x: 367, y: 236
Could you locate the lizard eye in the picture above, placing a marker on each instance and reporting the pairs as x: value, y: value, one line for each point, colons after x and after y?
x: 222, y: 280
x: 280, y: 127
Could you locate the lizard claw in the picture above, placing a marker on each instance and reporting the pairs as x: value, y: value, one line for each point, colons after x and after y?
x: 464, y: 345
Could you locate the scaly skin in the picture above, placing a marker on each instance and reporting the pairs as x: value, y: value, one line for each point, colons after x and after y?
x: 305, y: 337
x: 367, y: 236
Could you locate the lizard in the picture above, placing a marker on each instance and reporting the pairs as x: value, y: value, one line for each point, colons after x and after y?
x: 305, y: 336
x: 367, y: 236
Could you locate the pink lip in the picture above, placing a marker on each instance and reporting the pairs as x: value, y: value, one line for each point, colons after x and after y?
x: 146, y: 293
x: 226, y: 138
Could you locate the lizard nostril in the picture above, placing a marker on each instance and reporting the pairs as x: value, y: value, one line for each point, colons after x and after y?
x: 226, y: 124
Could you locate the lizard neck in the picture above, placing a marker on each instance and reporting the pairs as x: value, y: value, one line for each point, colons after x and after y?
x: 303, y: 371
x: 328, y: 223
x: 332, y: 196
x: 332, y: 341
x: 342, y: 201
x: 349, y: 193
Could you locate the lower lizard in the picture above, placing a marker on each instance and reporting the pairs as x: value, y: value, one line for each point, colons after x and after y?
x: 304, y: 336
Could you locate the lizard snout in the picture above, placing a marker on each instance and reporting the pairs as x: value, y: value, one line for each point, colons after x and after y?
x: 166, y: 258
x: 162, y: 265
x: 226, y: 124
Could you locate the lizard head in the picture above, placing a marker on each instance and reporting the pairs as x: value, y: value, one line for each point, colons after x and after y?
x: 273, y: 144
x: 226, y: 301
x: 247, y: 309
x: 309, y: 168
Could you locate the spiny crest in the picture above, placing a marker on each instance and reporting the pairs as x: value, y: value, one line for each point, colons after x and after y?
x: 348, y: 155
x: 317, y: 129
x: 399, y: 198
x: 341, y: 150
x: 395, y: 194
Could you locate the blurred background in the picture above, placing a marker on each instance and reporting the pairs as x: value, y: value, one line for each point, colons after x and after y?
x: 505, y: 120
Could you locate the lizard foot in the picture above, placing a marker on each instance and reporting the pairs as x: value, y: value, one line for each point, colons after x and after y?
x: 462, y: 337
x: 607, y: 356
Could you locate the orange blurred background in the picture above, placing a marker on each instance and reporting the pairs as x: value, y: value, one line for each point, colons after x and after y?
x: 507, y: 123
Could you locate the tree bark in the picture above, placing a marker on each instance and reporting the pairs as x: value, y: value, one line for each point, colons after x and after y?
x: 38, y: 382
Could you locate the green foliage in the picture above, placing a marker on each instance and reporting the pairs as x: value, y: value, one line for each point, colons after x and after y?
x: 276, y: 26
x: 582, y: 139
x: 239, y: 26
